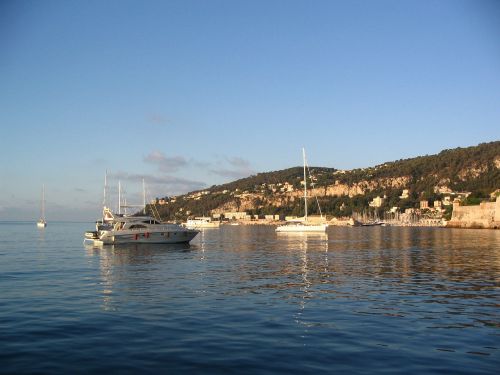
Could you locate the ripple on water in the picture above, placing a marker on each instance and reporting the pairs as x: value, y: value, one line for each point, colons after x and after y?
x: 244, y: 300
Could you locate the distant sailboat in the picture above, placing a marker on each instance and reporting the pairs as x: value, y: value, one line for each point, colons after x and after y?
x: 302, y: 225
x: 42, y: 223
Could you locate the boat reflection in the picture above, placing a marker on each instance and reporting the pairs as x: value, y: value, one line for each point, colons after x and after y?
x: 128, y: 270
x: 303, y: 235
x: 348, y: 264
x: 140, y: 247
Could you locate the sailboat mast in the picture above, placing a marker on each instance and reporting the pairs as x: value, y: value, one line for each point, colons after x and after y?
x: 43, y: 202
x: 305, y: 183
x: 144, y: 196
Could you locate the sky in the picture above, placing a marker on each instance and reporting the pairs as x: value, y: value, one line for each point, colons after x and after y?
x: 188, y: 94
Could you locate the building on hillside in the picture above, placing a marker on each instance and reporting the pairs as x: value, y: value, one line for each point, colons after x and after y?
x: 442, y: 190
x: 405, y: 194
x: 376, y: 202
x: 424, y: 204
x: 495, y: 194
x: 236, y: 215
x: 272, y: 217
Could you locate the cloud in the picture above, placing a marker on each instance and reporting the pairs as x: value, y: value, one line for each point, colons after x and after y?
x: 98, y: 161
x: 238, y: 162
x: 230, y: 173
x: 157, y: 119
x: 161, y: 185
x: 166, y: 164
x: 237, y: 168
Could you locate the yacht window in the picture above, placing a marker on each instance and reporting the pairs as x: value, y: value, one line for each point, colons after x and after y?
x: 152, y: 221
x: 137, y: 226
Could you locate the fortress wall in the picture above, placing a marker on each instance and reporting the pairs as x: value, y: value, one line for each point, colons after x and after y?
x: 486, y: 215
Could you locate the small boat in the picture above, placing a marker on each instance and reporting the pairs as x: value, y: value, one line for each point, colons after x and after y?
x: 201, y: 223
x: 42, y: 223
x: 373, y: 224
x: 303, y: 225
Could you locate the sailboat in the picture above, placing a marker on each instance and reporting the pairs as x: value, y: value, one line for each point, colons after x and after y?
x: 303, y: 225
x: 42, y: 223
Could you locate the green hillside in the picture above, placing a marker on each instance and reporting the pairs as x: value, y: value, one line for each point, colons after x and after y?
x: 472, y: 169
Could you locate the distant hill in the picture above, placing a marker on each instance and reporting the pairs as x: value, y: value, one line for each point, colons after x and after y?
x: 340, y: 193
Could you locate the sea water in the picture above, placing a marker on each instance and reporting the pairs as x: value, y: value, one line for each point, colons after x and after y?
x: 246, y: 300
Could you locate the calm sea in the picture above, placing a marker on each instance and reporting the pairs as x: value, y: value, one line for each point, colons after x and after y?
x: 244, y: 300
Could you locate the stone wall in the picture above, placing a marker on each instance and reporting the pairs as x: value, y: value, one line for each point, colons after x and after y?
x: 486, y: 215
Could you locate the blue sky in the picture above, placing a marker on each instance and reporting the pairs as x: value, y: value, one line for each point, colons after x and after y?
x: 192, y: 93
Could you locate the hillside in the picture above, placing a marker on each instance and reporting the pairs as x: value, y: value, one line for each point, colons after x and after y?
x: 341, y: 192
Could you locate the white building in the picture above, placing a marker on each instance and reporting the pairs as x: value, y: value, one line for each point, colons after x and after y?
x: 376, y: 202
x: 236, y: 215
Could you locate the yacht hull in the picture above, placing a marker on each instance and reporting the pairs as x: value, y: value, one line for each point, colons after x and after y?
x: 130, y: 237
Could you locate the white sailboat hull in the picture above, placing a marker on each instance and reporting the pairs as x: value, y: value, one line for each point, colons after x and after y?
x: 41, y: 224
x: 302, y: 228
x: 201, y: 224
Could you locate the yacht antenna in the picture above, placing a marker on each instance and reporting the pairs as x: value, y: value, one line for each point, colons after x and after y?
x: 105, y: 185
x: 104, y: 195
x: 119, y: 197
x: 144, y: 196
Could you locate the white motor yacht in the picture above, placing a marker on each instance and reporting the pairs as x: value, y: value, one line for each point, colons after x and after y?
x: 140, y: 229
x: 121, y: 229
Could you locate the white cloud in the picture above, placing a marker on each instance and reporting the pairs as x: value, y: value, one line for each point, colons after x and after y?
x: 161, y: 184
x: 166, y: 164
x: 157, y: 119
x: 233, y: 167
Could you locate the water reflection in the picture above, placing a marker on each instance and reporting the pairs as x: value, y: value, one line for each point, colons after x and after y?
x: 386, y: 271
x: 409, y: 300
x: 128, y: 270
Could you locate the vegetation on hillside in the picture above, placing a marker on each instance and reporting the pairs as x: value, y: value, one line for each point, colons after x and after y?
x: 472, y: 169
